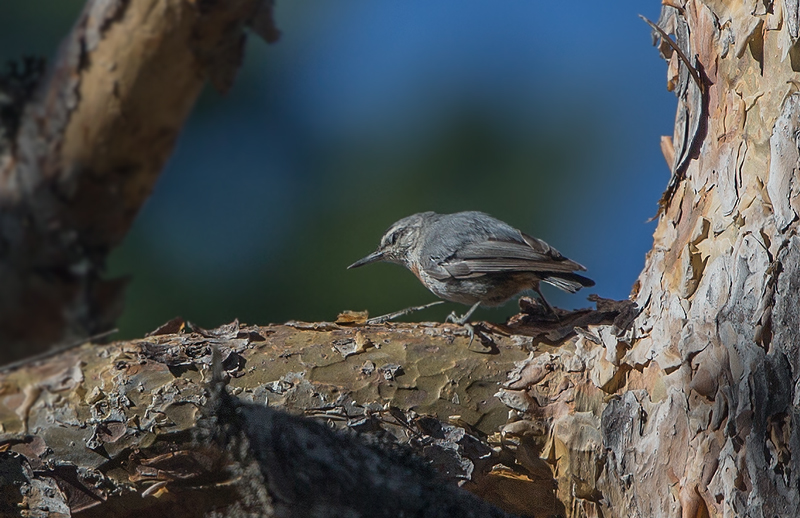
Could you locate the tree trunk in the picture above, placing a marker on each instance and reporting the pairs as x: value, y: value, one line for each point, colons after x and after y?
x: 706, y: 422
x: 687, y: 405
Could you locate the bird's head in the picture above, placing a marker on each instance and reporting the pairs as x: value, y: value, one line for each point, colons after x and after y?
x: 398, y: 242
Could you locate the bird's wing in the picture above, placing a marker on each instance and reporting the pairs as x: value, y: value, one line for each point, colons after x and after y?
x: 493, y: 256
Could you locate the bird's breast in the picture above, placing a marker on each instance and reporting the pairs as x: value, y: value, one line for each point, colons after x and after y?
x: 415, y: 270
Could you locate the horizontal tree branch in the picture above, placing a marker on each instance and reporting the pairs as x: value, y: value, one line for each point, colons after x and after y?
x: 123, y: 419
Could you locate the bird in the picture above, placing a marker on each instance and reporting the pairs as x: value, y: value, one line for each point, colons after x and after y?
x: 474, y: 259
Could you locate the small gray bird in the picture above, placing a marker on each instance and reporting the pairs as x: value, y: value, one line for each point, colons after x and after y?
x: 473, y: 258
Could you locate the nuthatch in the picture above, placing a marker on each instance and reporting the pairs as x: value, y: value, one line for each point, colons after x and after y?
x: 473, y: 258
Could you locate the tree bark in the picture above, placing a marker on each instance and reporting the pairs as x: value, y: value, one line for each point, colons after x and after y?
x: 115, y: 429
x: 686, y: 405
x: 706, y: 422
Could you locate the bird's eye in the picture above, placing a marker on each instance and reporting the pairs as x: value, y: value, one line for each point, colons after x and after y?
x: 393, y: 237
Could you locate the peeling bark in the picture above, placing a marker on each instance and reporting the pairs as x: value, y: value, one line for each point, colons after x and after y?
x: 129, y: 426
x: 121, y: 421
x: 705, y: 419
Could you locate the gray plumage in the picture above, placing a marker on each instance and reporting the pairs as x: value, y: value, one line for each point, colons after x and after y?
x: 473, y: 258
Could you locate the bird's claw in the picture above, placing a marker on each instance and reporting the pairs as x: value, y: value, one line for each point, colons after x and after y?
x: 455, y: 319
x: 463, y: 318
x: 470, y: 332
x: 462, y: 321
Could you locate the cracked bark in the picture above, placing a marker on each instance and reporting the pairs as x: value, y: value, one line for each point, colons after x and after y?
x: 687, y: 406
x: 115, y: 429
x: 706, y: 422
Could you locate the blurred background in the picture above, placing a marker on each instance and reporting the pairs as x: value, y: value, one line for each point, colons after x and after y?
x: 367, y: 111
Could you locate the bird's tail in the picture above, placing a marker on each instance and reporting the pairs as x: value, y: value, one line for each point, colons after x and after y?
x: 570, y: 282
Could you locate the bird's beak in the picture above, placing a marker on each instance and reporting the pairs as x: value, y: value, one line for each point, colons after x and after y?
x: 371, y: 258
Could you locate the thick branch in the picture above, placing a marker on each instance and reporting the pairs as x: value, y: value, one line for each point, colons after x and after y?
x: 120, y: 419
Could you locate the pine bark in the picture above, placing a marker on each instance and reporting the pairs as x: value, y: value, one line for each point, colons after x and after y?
x: 113, y: 430
x: 706, y: 422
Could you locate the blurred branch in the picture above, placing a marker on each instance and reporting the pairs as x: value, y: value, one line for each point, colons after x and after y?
x: 83, y: 155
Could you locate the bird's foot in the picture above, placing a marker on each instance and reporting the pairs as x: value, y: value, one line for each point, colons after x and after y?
x: 470, y: 332
x: 547, y: 307
x: 452, y: 317
x: 455, y: 319
x: 462, y: 320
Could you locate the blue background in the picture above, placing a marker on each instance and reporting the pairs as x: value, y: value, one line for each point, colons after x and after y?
x: 366, y: 111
